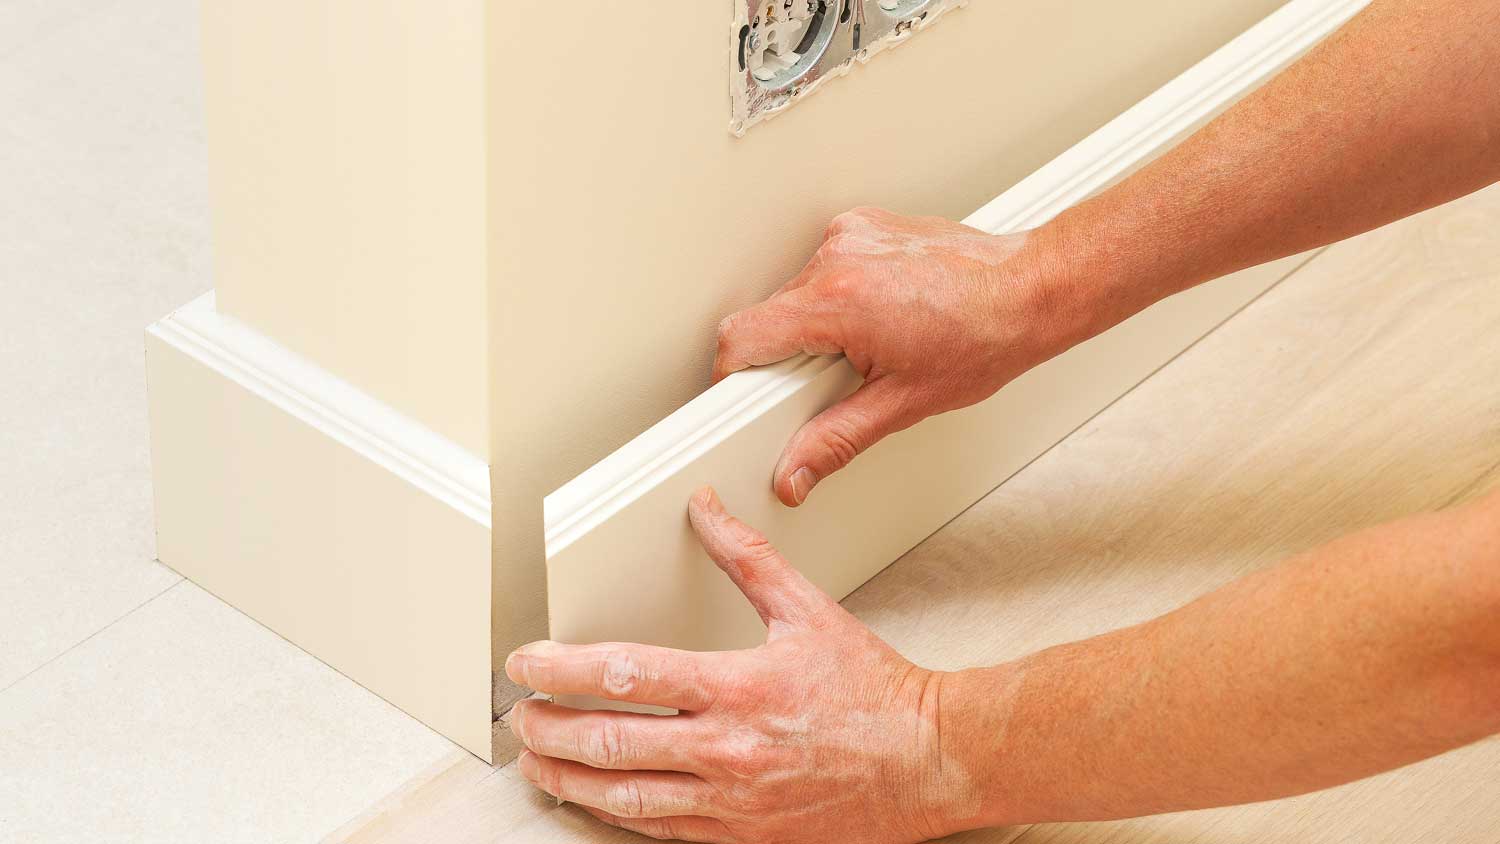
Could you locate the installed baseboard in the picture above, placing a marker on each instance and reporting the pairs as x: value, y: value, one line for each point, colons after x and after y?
x: 622, y: 563
x: 407, y: 449
x: 348, y: 528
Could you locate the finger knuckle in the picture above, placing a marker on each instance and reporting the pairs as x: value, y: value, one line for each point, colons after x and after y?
x: 755, y: 548
x: 604, y: 745
x: 842, y: 441
x: 625, y: 799
x: 841, y: 286
x: 843, y: 220
x: 746, y: 759
x: 620, y: 674
x: 755, y: 555
x: 846, y: 257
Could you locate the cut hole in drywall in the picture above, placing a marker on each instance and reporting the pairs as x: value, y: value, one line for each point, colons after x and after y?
x: 782, y: 50
x: 785, y: 39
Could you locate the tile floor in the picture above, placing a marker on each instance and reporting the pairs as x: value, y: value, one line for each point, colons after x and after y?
x: 133, y: 706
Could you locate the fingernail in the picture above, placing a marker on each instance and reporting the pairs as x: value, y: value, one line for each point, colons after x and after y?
x: 526, y: 763
x: 518, y: 666
x: 803, y: 481
x: 515, y: 719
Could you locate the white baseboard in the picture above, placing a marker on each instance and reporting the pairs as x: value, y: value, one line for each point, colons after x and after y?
x: 364, y: 537
x: 353, y: 531
x: 407, y: 449
x: 622, y: 564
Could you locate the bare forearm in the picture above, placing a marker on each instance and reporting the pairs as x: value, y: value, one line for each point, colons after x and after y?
x: 1398, y: 112
x: 1364, y: 655
x: 1367, y: 654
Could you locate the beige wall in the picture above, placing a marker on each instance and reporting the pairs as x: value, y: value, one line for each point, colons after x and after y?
x: 626, y: 221
x: 348, y: 147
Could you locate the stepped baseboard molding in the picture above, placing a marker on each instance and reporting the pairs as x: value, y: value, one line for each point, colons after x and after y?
x: 381, y: 434
x: 352, y: 530
x: 621, y: 564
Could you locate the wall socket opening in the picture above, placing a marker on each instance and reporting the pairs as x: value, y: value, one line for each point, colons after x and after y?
x: 786, y: 39
x: 782, y: 50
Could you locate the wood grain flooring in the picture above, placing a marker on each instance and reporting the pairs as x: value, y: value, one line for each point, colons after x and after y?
x: 1364, y: 387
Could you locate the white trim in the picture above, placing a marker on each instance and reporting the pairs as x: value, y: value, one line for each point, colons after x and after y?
x: 1130, y: 139
x: 413, y: 452
x: 676, y: 441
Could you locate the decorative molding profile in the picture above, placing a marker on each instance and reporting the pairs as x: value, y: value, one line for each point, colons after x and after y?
x: 355, y: 532
x: 381, y: 434
x: 610, y: 485
x: 1123, y: 144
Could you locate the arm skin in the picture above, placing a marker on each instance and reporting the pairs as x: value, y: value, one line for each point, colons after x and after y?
x: 1396, y: 113
x: 1364, y: 655
x: 1354, y: 658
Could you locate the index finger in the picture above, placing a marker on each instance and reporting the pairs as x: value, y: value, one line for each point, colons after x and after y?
x: 615, y: 671
x: 776, y: 329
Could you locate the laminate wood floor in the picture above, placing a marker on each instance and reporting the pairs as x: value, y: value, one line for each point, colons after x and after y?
x: 1364, y: 387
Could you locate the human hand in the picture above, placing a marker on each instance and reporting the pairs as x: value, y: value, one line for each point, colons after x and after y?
x: 934, y: 315
x: 824, y: 733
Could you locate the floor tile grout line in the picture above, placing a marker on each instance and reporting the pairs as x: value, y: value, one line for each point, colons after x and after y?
x: 81, y: 642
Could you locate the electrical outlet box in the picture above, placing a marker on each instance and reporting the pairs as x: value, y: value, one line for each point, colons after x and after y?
x: 783, y: 50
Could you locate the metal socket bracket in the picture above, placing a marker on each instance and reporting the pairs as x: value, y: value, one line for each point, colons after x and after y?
x: 782, y: 50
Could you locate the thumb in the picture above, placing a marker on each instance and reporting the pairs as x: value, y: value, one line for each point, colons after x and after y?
x: 838, y: 435
x: 779, y: 593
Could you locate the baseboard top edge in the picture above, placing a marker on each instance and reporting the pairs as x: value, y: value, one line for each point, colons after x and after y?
x: 1093, y: 163
x: 577, y: 506
x: 419, y: 455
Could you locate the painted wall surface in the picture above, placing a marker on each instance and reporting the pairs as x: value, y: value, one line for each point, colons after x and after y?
x: 347, y: 139
x: 626, y: 221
